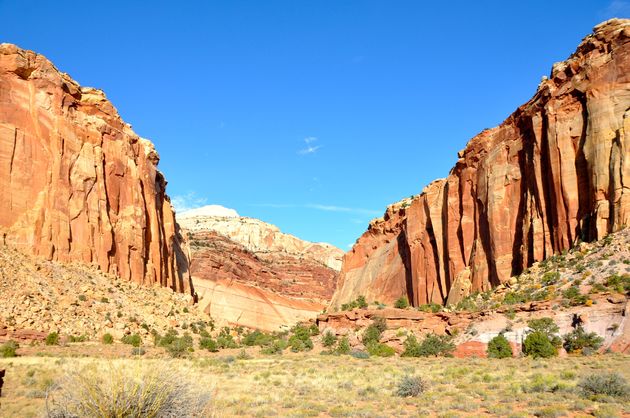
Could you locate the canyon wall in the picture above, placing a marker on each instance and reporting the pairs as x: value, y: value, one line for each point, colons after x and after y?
x: 555, y: 172
x: 77, y: 184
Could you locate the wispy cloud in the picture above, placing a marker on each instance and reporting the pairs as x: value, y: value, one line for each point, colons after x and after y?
x: 617, y: 8
x: 188, y: 201
x: 320, y: 207
x: 310, y: 148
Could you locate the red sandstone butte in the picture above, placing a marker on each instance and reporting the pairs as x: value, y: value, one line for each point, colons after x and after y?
x: 77, y: 184
x: 556, y: 171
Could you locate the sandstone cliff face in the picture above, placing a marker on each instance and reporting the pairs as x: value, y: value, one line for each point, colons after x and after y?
x: 77, y: 183
x: 556, y: 171
x: 247, y: 272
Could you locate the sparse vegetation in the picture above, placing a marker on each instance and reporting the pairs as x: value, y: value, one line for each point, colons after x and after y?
x: 133, y: 340
x: 402, y: 303
x: 9, y: 349
x: 432, y: 345
x: 52, y: 339
x: 329, y: 339
x: 411, y: 386
x: 609, y: 384
x: 499, y: 347
x: 359, y: 302
x: 107, y: 339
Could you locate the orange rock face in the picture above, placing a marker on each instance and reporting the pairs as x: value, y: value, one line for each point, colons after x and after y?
x: 555, y: 172
x: 77, y: 184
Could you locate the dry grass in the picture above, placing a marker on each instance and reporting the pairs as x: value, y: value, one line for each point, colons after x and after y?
x: 313, y: 385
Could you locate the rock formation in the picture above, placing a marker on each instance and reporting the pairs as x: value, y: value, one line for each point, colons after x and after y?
x: 77, y: 183
x: 555, y: 172
x: 247, y: 272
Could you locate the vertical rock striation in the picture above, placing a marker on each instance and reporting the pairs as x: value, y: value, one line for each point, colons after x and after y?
x: 77, y: 184
x: 555, y: 172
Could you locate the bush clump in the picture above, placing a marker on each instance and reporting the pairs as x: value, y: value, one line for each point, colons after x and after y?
x: 543, y: 341
x: 52, y: 339
x: 499, y: 347
x: 343, y: 346
x: 9, y: 349
x: 301, y: 339
x: 225, y: 339
x: 607, y: 384
x: 411, y: 386
x: 257, y: 338
x: 380, y: 350
x: 107, y: 339
x: 127, y: 390
x: 209, y: 344
x: 432, y: 345
x: 276, y: 347
x: 134, y: 340
x: 580, y: 340
x: 360, y: 355
x: 402, y: 303
x: 360, y: 303
x: 372, y: 333
x: 329, y: 339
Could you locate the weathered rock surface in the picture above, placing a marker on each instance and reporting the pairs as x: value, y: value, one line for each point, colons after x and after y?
x: 77, y: 183
x: 247, y: 272
x: 556, y: 171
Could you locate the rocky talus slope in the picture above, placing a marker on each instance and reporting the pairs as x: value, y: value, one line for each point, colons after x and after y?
x: 77, y: 183
x: 40, y: 296
x: 247, y: 272
x: 555, y: 172
x: 588, y: 286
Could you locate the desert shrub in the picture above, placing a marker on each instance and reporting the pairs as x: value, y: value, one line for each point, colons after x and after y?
x: 343, y: 346
x: 137, y: 351
x: 180, y: 346
x: 361, y: 302
x: 537, y: 345
x: 276, y: 347
x: 574, y: 296
x: 209, y: 344
x: 242, y: 355
x: 9, y: 349
x: 431, y: 307
x: 256, y: 338
x: 513, y: 298
x: 107, y: 339
x: 134, y: 340
x: 360, y: 355
x: 225, y: 339
x: 411, y: 386
x: 549, y: 278
x: 540, y: 383
x: 166, y: 340
x: 52, y: 339
x: 329, y: 339
x: 548, y: 328
x: 301, y: 339
x: 373, y: 332
x: 314, y: 330
x: 619, y: 284
x: 432, y: 345
x: 77, y: 338
x: 127, y: 390
x: 579, y: 339
x: 499, y: 347
x: 608, y: 384
x: 402, y: 303
x: 380, y: 350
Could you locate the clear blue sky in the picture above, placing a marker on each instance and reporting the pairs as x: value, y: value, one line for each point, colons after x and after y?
x: 312, y: 115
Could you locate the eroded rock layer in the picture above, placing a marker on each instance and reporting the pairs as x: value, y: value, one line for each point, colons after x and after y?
x: 77, y: 184
x: 555, y: 172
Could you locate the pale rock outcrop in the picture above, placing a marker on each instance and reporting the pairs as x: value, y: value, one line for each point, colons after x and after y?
x: 77, y: 183
x: 555, y: 172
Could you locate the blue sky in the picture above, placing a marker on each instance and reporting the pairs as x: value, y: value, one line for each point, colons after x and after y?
x: 311, y: 115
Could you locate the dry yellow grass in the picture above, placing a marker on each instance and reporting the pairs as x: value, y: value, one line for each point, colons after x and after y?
x: 298, y: 385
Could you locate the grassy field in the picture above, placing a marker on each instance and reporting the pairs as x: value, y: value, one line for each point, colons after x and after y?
x: 316, y: 385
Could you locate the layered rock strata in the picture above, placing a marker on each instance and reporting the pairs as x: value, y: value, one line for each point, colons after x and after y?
x: 77, y: 183
x: 555, y: 172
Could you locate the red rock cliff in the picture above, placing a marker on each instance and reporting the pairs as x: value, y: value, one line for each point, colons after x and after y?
x: 77, y: 184
x: 556, y: 171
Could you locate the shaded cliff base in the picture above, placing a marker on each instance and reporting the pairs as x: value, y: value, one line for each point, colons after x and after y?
x: 588, y: 285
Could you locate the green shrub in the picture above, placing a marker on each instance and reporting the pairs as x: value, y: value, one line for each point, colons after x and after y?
x: 134, y: 340
x: 619, y: 284
x: 166, y: 340
x: 574, y: 296
x: 77, y: 338
x: 52, y: 339
x: 431, y: 307
x: 301, y: 339
x: 547, y: 327
x: 242, y: 355
x: 329, y: 339
x: 579, y: 339
x: 373, y: 332
x: 432, y: 345
x: 343, y: 346
x: 609, y: 384
x: 360, y: 355
x: 9, y: 349
x: 276, y: 347
x: 361, y: 302
x: 180, y: 347
x: 411, y: 386
x: 257, y: 338
x: 499, y: 347
x: 537, y: 345
x: 137, y: 351
x: 402, y: 303
x: 314, y: 330
x: 380, y: 349
x: 209, y: 344
x: 107, y: 339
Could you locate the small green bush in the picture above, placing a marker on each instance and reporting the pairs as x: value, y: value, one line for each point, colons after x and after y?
x: 499, y: 347
x: 77, y: 338
x: 360, y: 355
x: 276, y: 347
x: 432, y: 345
x: 579, y: 339
x: 402, y: 303
x: 301, y: 339
x: 180, y: 347
x: 373, y: 332
x: 9, y: 349
x: 225, y: 339
x: 549, y: 278
x: 411, y: 386
x: 107, y: 339
x: 137, y: 351
x: 343, y: 346
x: 608, y: 384
x: 538, y: 345
x: 431, y: 307
x: 134, y: 340
x: 257, y: 338
x: 329, y: 339
x: 380, y: 350
x: 209, y: 344
x: 52, y: 339
x: 361, y: 302
x: 547, y: 327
